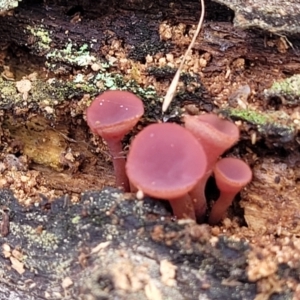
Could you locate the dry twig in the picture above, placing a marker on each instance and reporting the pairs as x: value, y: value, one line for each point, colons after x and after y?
x: 172, y: 88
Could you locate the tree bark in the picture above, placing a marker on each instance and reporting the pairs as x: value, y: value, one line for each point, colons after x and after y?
x: 136, y: 23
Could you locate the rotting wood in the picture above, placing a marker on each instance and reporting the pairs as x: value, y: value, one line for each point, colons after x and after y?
x: 42, y: 27
x: 62, y: 225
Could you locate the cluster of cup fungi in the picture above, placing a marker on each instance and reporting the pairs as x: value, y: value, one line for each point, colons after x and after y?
x: 168, y: 161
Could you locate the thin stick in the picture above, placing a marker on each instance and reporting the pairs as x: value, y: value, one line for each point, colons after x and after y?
x: 172, y: 88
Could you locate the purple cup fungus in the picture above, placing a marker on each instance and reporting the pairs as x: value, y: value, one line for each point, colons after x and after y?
x: 231, y: 175
x: 216, y: 136
x: 112, y: 115
x: 166, y: 161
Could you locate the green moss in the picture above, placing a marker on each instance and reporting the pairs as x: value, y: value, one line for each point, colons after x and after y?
x: 40, y: 93
x: 46, y: 96
x: 248, y: 115
x: 274, y: 125
x: 276, y: 118
x: 51, y: 94
x: 7, y: 91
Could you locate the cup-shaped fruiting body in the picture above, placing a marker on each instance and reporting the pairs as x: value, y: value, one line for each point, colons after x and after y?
x: 112, y: 115
x: 231, y: 175
x: 216, y: 136
x: 166, y: 161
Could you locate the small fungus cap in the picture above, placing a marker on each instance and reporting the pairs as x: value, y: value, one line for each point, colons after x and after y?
x: 232, y: 174
x: 223, y: 126
x: 216, y: 135
x: 165, y: 161
x: 114, y: 113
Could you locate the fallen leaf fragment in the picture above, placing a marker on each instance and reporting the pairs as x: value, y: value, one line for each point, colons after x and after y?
x: 168, y: 272
x: 24, y: 86
x: 17, y: 265
x: 67, y: 282
x: 152, y: 292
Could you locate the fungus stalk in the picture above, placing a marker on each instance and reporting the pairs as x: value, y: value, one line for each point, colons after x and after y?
x: 118, y: 160
x: 197, y: 195
x: 231, y: 176
x: 182, y: 207
x: 220, y: 207
x: 216, y: 136
x: 112, y: 115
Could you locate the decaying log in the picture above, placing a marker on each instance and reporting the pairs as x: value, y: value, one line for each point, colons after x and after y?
x: 110, y: 245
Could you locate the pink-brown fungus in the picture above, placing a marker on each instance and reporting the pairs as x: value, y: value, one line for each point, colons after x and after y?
x: 231, y: 175
x: 166, y: 161
x: 112, y: 115
x: 216, y: 136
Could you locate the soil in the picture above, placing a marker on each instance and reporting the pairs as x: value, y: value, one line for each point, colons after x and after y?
x: 67, y: 233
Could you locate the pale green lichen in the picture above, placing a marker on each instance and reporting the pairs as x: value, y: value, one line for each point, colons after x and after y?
x: 75, y: 220
x: 8, y: 4
x: 107, y: 80
x: 288, y: 90
x: 45, y: 240
x: 42, y: 36
x: 81, y: 57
